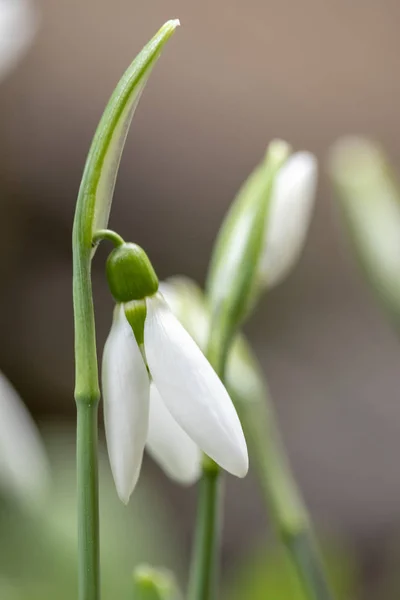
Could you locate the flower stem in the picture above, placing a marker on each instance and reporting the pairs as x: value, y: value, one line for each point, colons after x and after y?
x: 306, y: 558
x: 205, y: 558
x: 88, y: 502
x: 203, y: 576
x: 283, y: 497
x: 87, y: 395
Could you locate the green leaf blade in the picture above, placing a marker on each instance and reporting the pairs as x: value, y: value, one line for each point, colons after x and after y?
x: 98, y: 180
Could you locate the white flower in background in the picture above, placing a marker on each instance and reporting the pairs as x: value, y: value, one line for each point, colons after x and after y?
x: 24, y: 470
x: 289, y: 216
x: 369, y: 202
x: 177, y: 407
x: 18, y: 25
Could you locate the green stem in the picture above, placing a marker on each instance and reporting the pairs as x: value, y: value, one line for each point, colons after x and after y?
x: 203, y: 581
x: 87, y: 395
x: 307, y: 560
x: 203, y: 576
x: 88, y: 502
x: 283, y: 497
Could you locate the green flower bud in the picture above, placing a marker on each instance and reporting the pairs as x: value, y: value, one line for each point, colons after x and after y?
x: 135, y: 312
x: 130, y: 274
x: 154, y: 584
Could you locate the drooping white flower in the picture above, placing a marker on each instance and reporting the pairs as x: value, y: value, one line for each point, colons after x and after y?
x: 189, y: 406
x: 289, y: 217
x: 18, y: 24
x: 24, y: 469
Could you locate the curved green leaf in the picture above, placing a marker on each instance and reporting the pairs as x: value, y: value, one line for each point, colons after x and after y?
x: 98, y: 180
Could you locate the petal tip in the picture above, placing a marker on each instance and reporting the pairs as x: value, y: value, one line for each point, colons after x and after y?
x: 242, y: 472
x: 124, y: 494
x: 187, y: 480
x: 241, y: 466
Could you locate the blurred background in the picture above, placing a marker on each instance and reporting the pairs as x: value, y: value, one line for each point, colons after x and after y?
x: 235, y: 75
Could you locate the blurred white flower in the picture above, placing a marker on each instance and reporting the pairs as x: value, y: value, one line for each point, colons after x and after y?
x: 289, y: 217
x: 369, y: 202
x: 188, y: 404
x: 18, y: 25
x: 24, y: 471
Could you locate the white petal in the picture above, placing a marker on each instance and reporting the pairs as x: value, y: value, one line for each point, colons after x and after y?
x: 169, y: 445
x: 289, y: 216
x: 191, y: 390
x: 187, y: 302
x: 24, y: 469
x: 126, y: 404
x: 18, y: 24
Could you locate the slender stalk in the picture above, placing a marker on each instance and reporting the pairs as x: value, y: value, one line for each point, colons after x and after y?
x: 107, y: 234
x: 203, y: 576
x: 87, y: 397
x: 88, y: 502
x: 307, y: 560
x: 283, y: 497
x: 203, y: 581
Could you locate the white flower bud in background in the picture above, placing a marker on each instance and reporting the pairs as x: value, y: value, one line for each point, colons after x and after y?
x: 18, y: 25
x: 369, y: 200
x: 289, y: 216
x: 263, y: 233
x: 24, y: 469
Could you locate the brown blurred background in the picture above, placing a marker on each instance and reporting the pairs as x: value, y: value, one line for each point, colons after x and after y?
x: 235, y: 75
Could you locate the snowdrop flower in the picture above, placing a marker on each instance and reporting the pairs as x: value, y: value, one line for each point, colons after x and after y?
x: 23, y: 461
x: 158, y: 387
x: 18, y: 25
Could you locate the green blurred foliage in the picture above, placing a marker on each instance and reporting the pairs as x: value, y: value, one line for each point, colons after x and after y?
x: 267, y: 574
x: 38, y: 549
